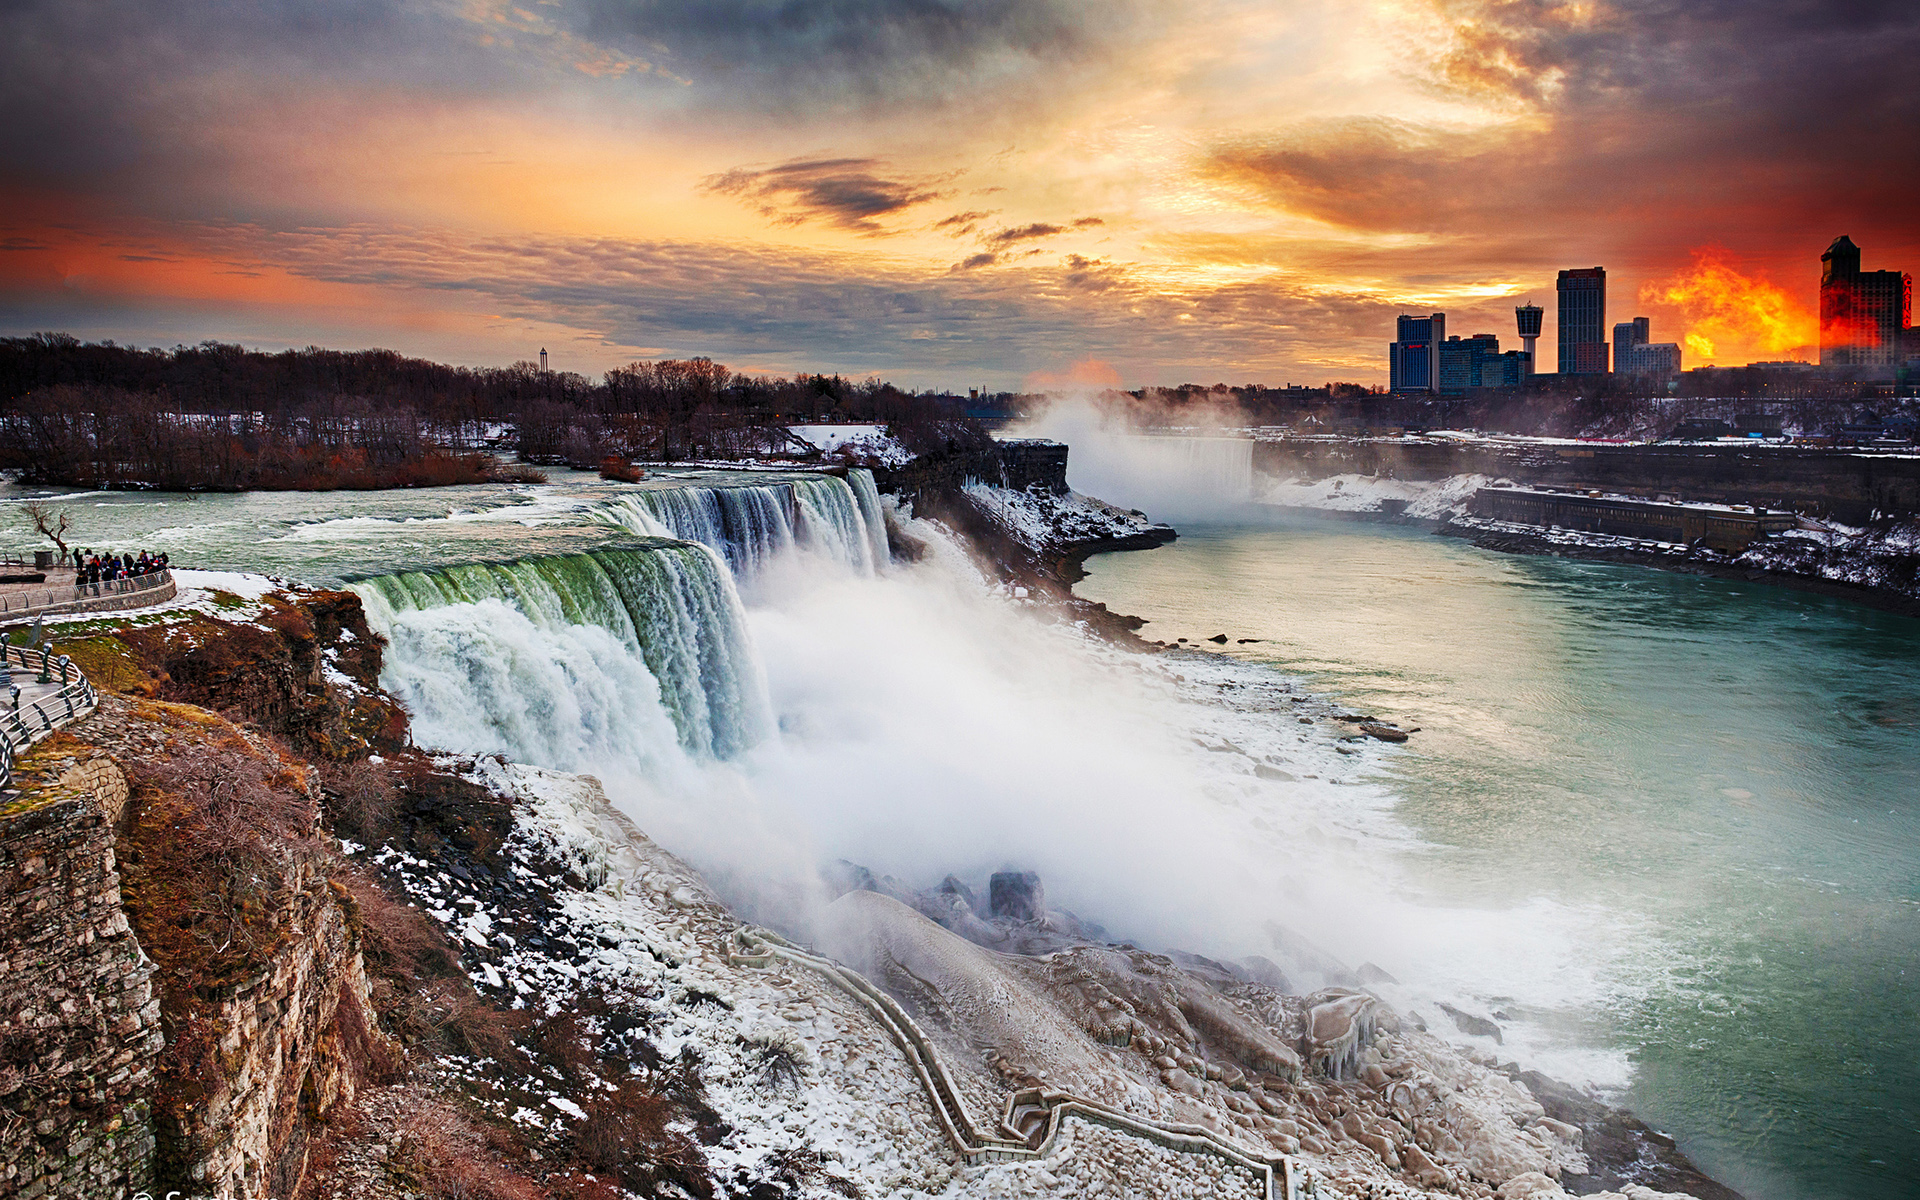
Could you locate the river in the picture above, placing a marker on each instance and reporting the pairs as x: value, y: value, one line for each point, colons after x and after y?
x: 1729, y: 772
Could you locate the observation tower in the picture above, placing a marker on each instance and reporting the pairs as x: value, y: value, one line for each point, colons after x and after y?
x: 1529, y: 316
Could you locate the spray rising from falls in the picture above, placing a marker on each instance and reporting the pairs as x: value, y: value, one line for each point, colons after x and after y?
x: 751, y: 524
x: 623, y: 655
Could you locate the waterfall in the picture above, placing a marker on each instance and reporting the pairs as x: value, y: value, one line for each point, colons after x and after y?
x: 625, y: 655
x: 751, y: 523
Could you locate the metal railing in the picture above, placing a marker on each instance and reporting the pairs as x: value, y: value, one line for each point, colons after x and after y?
x: 21, y: 727
x: 52, y: 597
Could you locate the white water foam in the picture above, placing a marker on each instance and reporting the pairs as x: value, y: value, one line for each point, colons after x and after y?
x: 929, y: 724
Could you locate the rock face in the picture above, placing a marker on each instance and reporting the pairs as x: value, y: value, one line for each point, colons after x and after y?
x: 1016, y: 896
x: 306, y: 670
x: 262, y: 1036
x: 79, y: 1023
x: 290, y: 1039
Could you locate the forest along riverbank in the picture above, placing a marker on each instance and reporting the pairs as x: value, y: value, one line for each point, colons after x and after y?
x: 1712, y: 781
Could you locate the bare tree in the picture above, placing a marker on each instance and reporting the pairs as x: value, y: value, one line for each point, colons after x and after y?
x: 50, y: 524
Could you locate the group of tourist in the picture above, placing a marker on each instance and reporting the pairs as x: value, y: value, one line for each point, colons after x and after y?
x: 92, y: 570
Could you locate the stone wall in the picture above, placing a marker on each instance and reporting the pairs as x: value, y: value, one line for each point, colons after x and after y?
x: 79, y: 1022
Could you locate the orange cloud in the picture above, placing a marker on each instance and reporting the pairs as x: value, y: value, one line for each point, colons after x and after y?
x: 1730, y: 317
x: 1085, y: 374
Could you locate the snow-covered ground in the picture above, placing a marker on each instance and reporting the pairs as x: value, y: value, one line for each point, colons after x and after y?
x: 1436, y: 500
x: 1045, y: 521
x: 864, y: 445
x: 596, y: 908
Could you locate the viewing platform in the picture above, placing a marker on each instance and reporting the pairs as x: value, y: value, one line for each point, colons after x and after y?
x: 26, y: 599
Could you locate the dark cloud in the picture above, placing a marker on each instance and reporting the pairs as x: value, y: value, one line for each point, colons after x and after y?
x: 960, y: 225
x: 843, y: 191
x: 1645, y: 127
x: 837, y: 53
x: 983, y: 259
x: 128, y: 98
x: 1023, y: 233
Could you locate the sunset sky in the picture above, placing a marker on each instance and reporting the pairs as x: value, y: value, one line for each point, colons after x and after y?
x: 949, y: 194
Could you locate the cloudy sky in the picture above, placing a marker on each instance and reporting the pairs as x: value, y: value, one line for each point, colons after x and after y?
x: 949, y: 193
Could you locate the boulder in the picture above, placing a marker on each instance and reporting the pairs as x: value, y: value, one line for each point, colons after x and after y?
x: 1016, y: 896
x: 1472, y: 1025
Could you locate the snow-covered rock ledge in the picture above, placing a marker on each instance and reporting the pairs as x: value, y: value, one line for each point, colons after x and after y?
x: 580, y: 917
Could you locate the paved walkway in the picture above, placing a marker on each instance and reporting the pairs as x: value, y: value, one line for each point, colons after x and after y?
x: 59, y: 595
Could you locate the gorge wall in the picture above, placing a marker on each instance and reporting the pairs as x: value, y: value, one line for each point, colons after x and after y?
x: 79, y: 1019
x: 1846, y: 485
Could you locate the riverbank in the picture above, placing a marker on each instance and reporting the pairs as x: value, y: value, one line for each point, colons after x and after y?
x: 1516, y: 539
x: 1877, y: 565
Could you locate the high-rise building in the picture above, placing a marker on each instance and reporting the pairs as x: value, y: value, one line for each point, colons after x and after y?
x: 1529, y: 317
x: 1862, y: 313
x: 1651, y: 358
x: 1634, y: 352
x: 1506, y: 370
x: 1413, y: 359
x: 1464, y: 363
x: 1624, y: 340
x: 1583, y: 321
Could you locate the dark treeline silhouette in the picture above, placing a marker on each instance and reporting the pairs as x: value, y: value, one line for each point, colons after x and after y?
x: 1549, y: 405
x: 223, y: 417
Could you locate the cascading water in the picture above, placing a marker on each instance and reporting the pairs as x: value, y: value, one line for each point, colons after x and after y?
x: 750, y: 524
x: 622, y: 655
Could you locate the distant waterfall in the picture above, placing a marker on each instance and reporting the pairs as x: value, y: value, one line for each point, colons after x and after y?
x: 751, y: 523
x: 622, y: 655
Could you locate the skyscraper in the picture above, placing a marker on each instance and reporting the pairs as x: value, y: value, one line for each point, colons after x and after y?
x: 1583, y: 321
x: 1862, y: 313
x: 1528, y: 316
x: 1413, y: 359
x: 1627, y: 335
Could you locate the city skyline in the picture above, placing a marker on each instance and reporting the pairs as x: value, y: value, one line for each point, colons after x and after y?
x: 1011, y: 194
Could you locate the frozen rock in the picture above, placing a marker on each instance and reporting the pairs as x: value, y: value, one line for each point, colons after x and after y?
x: 970, y: 993
x: 1531, y: 1185
x: 1016, y: 895
x: 1339, y: 1027
x: 1472, y: 1025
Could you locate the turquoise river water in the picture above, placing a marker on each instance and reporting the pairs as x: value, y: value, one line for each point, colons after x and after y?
x: 1730, y: 770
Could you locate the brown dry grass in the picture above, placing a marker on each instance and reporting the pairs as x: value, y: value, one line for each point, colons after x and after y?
x: 443, y: 1155
x: 360, y: 798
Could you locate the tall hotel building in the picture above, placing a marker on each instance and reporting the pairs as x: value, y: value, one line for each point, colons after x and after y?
x: 1863, y: 314
x: 1413, y: 360
x: 1583, y: 321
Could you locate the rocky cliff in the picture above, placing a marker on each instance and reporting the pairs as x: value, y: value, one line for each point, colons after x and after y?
x: 79, y: 1020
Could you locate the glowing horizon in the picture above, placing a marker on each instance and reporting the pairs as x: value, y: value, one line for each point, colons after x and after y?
x: 945, y: 195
